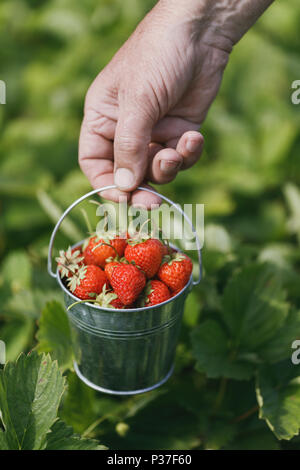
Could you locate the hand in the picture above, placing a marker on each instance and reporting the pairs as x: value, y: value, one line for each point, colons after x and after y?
x: 143, y: 111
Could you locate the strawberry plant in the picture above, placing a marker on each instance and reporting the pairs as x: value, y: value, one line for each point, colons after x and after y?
x: 235, y: 385
x: 30, y: 393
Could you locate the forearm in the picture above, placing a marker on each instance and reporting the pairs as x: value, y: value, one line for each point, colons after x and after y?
x: 218, y: 20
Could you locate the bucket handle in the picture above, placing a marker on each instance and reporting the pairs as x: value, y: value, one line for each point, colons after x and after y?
x: 105, y: 188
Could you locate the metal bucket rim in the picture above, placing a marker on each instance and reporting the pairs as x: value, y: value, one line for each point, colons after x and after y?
x: 122, y: 310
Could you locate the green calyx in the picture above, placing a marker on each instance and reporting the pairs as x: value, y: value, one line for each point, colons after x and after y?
x: 77, y: 277
x: 68, y: 261
x: 103, y: 299
x: 138, y: 240
x: 106, y: 297
x: 170, y: 259
x: 144, y: 300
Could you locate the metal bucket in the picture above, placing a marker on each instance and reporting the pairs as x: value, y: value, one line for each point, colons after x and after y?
x: 128, y: 351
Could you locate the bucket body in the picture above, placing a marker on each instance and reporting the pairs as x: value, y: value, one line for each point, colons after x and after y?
x: 125, y: 352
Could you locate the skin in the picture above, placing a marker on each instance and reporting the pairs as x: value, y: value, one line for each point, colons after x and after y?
x: 143, y: 111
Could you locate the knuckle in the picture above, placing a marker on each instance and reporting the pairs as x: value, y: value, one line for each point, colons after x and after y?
x: 94, y: 121
x: 126, y: 144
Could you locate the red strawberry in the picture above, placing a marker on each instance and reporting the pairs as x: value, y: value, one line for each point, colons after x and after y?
x: 147, y: 255
x: 127, y: 282
x: 164, y: 250
x: 97, y: 250
x: 116, y: 303
x: 109, y: 267
x: 69, y: 261
x: 119, y: 244
x: 155, y: 293
x: 175, y: 271
x: 87, y: 282
x: 109, y: 299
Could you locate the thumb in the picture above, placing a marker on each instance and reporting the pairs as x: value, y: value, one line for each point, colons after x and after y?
x: 132, y: 137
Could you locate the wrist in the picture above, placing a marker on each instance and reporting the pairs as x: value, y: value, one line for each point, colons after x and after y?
x: 219, y: 21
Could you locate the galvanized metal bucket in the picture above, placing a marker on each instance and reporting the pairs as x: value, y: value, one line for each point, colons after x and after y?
x: 130, y: 351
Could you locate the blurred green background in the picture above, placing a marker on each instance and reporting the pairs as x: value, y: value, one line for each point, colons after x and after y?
x: 248, y: 178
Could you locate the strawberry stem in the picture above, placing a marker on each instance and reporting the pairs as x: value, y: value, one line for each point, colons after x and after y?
x: 143, y: 225
x: 107, y: 244
x: 87, y: 221
x: 81, y: 302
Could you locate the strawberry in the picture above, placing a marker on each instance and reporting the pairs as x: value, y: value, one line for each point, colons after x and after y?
x: 109, y: 267
x: 146, y: 254
x: 155, y: 293
x: 87, y: 282
x: 97, y: 250
x: 72, y: 259
x: 109, y: 299
x: 164, y: 250
x: 116, y: 302
x: 175, y: 271
x: 128, y: 282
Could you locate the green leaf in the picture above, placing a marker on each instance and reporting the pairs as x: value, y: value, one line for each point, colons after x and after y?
x: 161, y: 424
x: 217, y: 238
x: 220, y: 434
x: 254, y: 306
x: 278, y: 395
x: 211, y: 348
x: 279, y: 346
x: 29, y: 303
x: 255, y: 440
x: 79, y: 404
x: 3, y: 441
x: 17, y: 270
x: 30, y: 393
x: 61, y: 437
x: 258, y: 326
x: 17, y: 335
x: 292, y: 195
x: 54, y: 334
x: 54, y: 212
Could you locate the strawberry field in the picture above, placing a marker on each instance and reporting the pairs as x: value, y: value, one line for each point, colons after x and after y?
x: 234, y: 385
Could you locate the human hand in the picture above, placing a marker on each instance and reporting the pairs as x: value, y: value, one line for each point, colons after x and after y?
x: 143, y: 110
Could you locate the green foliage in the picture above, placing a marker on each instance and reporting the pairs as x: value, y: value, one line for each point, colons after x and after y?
x: 254, y: 326
x: 61, y: 437
x: 211, y: 348
x: 31, y: 390
x: 30, y: 393
x: 234, y: 385
x: 278, y: 394
x: 54, y: 334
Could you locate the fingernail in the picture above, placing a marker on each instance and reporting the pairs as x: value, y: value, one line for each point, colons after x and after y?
x: 124, y: 178
x: 169, y: 166
x: 192, y: 145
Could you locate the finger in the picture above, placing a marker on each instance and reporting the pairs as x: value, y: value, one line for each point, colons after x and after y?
x: 96, y: 160
x: 165, y: 166
x: 145, y: 199
x: 153, y: 149
x: 167, y: 162
x: 133, y: 135
x: 190, y: 147
x: 171, y: 128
